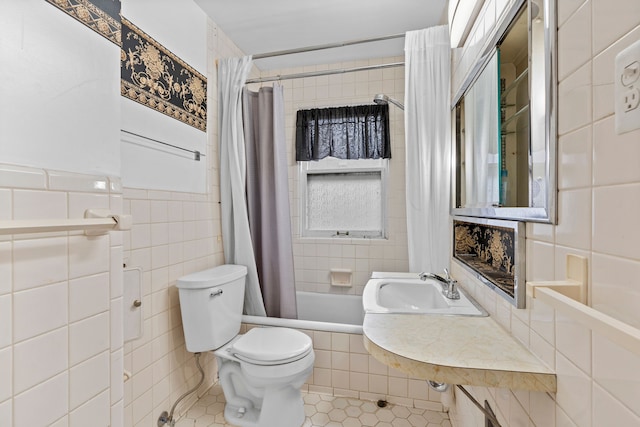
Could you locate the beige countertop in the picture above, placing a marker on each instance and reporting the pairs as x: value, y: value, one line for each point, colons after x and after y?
x: 455, y: 350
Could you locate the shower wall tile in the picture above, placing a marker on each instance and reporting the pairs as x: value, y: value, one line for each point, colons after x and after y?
x: 172, y: 236
x: 614, y: 210
x: 39, y: 310
x: 94, y: 412
x: 574, y: 93
x: 55, y: 278
x: 607, y: 410
x: 80, y: 202
x: 6, y: 324
x: 612, y: 21
x: 573, y: 340
x: 88, y: 379
x: 574, y: 219
x: 28, y: 204
x: 14, y: 176
x: 116, y: 376
x: 6, y: 375
x: 6, y: 411
x: 617, y: 370
x: 50, y: 398
x: 566, y: 8
x: 39, y: 359
x: 313, y: 258
x: 574, y: 41
x: 575, y: 159
x: 616, y: 158
x: 87, y: 255
x: 6, y: 210
x: 603, y: 77
x: 39, y: 262
x: 611, y: 274
x: 88, y: 338
x: 88, y: 296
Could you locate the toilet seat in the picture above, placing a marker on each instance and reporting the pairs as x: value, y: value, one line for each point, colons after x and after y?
x: 271, y: 346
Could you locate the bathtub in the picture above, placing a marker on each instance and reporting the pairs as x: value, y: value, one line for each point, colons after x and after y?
x: 320, y: 312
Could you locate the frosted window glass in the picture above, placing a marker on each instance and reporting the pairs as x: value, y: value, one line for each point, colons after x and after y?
x: 344, y: 201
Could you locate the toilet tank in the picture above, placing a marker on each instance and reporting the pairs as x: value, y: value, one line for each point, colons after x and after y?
x: 211, y: 303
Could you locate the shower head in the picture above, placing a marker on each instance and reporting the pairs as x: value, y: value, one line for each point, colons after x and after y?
x: 382, y: 99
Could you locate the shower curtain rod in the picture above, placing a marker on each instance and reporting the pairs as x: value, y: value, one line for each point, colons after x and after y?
x: 322, y: 73
x: 325, y: 46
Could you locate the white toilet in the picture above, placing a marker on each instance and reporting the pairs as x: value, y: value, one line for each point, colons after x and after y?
x: 262, y: 371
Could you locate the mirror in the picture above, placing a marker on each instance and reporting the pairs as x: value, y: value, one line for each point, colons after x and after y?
x: 504, y: 118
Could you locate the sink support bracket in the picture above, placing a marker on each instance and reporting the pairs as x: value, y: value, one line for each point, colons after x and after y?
x: 487, y: 413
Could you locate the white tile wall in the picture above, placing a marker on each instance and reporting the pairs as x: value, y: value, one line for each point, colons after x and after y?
x: 53, y: 285
x: 50, y: 398
x: 173, y: 234
x: 40, y: 310
x: 313, y: 258
x: 599, y: 188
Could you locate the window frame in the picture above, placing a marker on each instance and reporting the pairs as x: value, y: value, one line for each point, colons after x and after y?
x: 332, y: 165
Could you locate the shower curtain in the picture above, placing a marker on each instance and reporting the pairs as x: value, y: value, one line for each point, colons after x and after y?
x: 236, y: 237
x: 428, y: 148
x: 268, y: 198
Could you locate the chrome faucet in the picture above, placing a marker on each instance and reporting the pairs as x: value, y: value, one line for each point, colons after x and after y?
x: 449, y: 285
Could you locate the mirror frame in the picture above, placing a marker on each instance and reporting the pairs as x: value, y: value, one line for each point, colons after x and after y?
x: 548, y: 213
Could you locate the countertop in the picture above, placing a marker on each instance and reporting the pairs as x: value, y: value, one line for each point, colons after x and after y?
x: 455, y: 350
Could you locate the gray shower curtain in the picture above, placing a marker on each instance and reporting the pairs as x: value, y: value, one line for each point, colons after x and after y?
x: 268, y: 198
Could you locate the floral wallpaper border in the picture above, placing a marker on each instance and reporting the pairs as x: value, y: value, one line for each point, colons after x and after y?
x: 153, y: 76
x: 102, y: 16
x: 489, y: 250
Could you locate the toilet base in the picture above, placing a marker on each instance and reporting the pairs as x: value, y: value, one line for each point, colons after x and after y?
x: 282, y: 408
x: 263, y: 396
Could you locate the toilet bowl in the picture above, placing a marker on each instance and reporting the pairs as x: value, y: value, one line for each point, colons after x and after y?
x: 262, y: 371
x: 261, y: 374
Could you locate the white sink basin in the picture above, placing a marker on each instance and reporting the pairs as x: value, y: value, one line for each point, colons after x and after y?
x: 403, y: 295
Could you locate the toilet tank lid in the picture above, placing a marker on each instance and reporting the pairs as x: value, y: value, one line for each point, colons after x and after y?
x: 212, y: 277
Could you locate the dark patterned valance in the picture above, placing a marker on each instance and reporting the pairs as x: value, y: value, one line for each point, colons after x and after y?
x: 102, y: 16
x: 356, y: 132
x: 156, y: 78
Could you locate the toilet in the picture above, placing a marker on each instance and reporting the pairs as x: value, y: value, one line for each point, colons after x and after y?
x: 262, y: 371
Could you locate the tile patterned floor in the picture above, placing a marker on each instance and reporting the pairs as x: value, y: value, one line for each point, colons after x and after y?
x: 324, y: 411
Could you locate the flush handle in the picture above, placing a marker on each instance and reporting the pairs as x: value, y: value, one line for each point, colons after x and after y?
x: 216, y: 293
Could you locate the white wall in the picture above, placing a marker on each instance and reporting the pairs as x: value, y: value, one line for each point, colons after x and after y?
x: 598, y: 206
x: 181, y: 27
x: 61, y: 295
x: 61, y: 350
x: 60, y: 91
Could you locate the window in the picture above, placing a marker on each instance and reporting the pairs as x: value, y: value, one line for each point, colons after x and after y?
x: 343, y: 155
x: 343, y: 198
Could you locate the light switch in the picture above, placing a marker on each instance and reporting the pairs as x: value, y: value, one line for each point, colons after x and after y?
x: 627, y: 89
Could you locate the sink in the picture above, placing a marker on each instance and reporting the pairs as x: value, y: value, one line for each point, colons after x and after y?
x: 415, y: 296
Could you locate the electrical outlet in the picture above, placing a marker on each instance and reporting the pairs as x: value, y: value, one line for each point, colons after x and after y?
x: 627, y: 89
x: 631, y: 99
x: 631, y: 73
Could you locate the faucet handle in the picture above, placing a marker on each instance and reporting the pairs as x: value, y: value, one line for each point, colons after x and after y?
x: 446, y: 274
x: 452, y: 290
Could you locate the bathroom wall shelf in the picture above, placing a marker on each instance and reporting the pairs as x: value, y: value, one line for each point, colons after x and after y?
x: 95, y: 222
x: 569, y: 297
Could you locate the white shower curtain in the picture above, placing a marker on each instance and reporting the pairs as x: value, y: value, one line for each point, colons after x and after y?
x: 428, y: 148
x: 236, y: 237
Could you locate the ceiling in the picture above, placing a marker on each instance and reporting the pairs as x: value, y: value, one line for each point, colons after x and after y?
x: 260, y: 26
